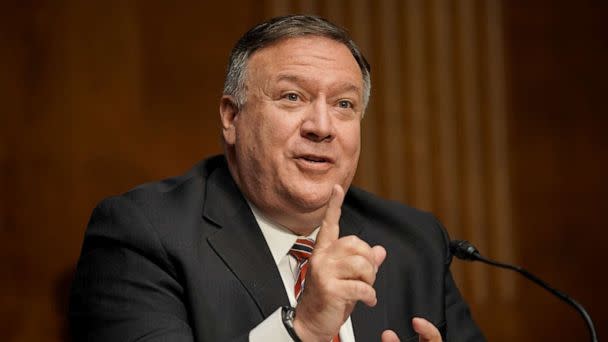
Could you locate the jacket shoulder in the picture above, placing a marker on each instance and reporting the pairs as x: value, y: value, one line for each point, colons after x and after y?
x: 369, y: 203
x: 194, y: 178
x: 171, y: 208
x: 398, y: 224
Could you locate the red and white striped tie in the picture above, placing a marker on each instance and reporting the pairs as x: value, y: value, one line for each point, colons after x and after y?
x: 302, y: 250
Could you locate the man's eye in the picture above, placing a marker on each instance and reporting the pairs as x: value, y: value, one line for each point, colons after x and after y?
x: 345, y: 104
x: 291, y: 96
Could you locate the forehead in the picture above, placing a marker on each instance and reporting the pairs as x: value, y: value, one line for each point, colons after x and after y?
x: 309, y: 56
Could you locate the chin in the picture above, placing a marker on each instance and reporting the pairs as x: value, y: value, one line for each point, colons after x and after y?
x: 311, y: 196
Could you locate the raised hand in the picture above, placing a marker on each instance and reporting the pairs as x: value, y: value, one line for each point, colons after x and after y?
x: 341, y: 272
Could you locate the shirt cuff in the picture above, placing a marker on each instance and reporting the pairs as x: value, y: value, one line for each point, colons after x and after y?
x: 271, y: 329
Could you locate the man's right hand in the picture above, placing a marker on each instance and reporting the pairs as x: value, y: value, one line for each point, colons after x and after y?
x: 341, y: 272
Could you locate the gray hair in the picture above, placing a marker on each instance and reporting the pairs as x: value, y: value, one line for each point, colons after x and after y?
x: 279, y: 28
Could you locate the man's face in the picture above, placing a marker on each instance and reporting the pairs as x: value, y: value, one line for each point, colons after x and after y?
x: 299, y: 131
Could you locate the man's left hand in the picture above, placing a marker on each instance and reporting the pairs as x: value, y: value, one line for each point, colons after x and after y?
x: 425, y: 329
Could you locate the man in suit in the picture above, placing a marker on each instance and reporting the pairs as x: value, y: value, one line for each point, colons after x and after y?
x: 208, y: 256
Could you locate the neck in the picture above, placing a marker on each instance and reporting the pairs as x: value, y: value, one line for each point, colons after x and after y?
x: 302, y: 226
x: 294, y: 219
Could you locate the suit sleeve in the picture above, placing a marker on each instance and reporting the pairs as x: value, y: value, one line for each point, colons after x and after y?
x: 125, y: 288
x: 460, y: 323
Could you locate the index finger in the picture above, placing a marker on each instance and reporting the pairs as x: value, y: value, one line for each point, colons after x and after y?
x: 330, y: 228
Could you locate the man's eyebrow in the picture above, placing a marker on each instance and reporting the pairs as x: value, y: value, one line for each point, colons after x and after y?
x: 344, y: 86
x: 290, y: 77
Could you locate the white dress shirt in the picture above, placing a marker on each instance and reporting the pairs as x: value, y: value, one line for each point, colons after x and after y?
x: 280, y: 240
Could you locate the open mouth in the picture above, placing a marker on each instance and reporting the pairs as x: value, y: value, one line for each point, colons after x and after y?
x: 314, y: 163
x: 315, y: 159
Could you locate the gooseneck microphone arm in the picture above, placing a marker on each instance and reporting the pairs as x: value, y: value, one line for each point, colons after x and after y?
x: 466, y: 251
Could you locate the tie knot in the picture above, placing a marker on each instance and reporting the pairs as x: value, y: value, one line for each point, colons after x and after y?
x: 302, y: 249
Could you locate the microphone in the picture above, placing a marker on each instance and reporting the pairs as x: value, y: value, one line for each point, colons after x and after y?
x: 465, y: 250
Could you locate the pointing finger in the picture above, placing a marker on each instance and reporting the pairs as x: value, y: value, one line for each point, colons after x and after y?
x: 330, y: 229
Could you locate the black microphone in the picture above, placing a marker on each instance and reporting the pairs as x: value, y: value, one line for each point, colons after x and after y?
x: 465, y: 250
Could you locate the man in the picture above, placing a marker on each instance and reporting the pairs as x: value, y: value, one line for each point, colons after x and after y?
x: 221, y: 253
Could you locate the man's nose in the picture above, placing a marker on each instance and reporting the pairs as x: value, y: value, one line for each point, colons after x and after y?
x: 318, y: 124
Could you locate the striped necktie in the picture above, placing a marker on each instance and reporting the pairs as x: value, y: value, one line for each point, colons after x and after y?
x: 302, y: 250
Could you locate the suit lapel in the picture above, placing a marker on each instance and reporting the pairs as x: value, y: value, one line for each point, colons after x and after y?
x: 368, y: 323
x: 240, y: 243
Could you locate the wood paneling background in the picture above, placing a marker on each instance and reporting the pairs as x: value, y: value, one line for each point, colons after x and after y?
x: 489, y: 113
x: 557, y: 53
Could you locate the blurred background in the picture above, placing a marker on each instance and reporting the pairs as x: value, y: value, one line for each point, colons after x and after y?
x: 491, y: 114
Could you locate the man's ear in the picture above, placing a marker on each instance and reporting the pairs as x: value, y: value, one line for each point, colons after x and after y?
x: 228, y: 116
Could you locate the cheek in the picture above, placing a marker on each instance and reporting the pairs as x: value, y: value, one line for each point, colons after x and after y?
x: 281, y: 131
x: 352, y: 141
x: 264, y: 137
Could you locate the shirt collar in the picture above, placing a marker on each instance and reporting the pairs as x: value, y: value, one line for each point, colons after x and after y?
x: 279, y: 239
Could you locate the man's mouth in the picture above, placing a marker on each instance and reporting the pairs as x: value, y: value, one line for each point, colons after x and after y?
x: 315, y: 159
x: 315, y: 163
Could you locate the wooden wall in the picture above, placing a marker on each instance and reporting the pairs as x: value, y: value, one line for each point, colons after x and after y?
x: 489, y: 113
x: 557, y: 53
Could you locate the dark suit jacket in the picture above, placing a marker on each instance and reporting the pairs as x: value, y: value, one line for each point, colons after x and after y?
x: 184, y: 260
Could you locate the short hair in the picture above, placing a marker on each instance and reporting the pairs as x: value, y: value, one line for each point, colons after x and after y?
x: 284, y: 27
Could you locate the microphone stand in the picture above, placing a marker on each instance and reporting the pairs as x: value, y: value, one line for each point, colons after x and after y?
x: 464, y: 250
